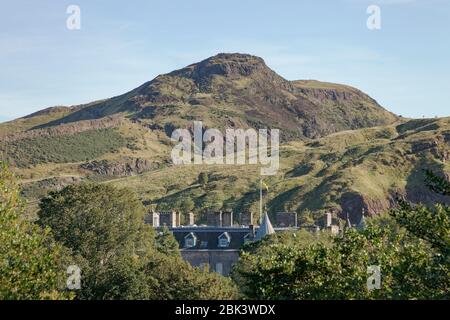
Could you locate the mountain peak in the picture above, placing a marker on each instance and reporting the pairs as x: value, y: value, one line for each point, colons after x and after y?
x: 241, y: 90
x: 231, y: 65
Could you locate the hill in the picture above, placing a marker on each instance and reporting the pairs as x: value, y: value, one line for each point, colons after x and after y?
x: 341, y: 151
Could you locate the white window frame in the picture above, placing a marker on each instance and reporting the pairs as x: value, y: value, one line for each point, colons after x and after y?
x: 187, y: 239
x: 224, y: 237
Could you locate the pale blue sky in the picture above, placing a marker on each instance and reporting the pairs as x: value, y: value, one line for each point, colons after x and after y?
x: 405, y: 66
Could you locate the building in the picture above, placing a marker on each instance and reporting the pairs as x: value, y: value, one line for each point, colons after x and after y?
x: 217, y: 245
x: 212, y: 246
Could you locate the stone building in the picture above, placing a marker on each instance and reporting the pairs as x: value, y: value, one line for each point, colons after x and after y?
x: 216, y: 246
x: 212, y: 246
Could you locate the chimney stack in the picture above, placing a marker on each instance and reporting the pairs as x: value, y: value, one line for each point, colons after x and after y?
x: 190, y: 219
x: 252, y: 230
x: 153, y: 219
x: 214, y: 218
x: 170, y: 219
x: 227, y: 218
x: 286, y: 219
x: 246, y: 218
x: 328, y: 220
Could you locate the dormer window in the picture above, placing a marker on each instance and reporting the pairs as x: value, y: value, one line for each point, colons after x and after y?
x: 224, y: 240
x: 190, y: 240
x: 248, y: 237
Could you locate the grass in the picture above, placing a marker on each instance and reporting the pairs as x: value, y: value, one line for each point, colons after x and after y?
x: 314, y: 175
x: 62, y: 149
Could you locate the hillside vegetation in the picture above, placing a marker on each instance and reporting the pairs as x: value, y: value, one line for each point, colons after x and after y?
x: 340, y: 150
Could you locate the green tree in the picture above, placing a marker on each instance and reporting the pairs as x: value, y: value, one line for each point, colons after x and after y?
x: 174, y: 279
x: 166, y: 242
x: 306, y: 217
x: 103, y: 227
x: 29, y: 259
x: 185, y: 204
x: 339, y: 271
x: 119, y: 255
x: 410, y: 246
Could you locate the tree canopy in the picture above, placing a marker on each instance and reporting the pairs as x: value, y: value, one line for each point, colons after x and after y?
x: 119, y: 255
x: 30, y: 266
x: 410, y: 246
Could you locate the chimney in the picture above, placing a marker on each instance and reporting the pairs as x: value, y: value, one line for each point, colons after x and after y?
x: 214, y: 218
x: 227, y: 218
x: 170, y: 219
x: 286, y: 219
x: 177, y: 219
x: 327, y: 220
x: 246, y: 218
x: 153, y: 219
x: 190, y: 219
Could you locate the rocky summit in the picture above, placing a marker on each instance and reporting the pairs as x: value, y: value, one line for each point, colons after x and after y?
x: 239, y: 90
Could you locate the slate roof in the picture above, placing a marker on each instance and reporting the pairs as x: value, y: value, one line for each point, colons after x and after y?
x: 208, y: 237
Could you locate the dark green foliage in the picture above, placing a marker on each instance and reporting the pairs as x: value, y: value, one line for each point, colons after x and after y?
x: 166, y: 242
x: 30, y: 266
x: 62, y: 148
x: 185, y: 204
x: 103, y: 226
x: 437, y: 184
x: 430, y: 224
x: 339, y: 271
x: 411, y: 247
x: 172, y: 278
x: 119, y: 255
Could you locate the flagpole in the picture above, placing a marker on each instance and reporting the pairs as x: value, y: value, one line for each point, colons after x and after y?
x: 260, y: 202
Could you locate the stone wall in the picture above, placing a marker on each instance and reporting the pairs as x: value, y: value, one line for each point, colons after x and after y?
x: 200, y: 258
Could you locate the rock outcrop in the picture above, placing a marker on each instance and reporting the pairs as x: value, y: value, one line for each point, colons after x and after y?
x: 121, y: 169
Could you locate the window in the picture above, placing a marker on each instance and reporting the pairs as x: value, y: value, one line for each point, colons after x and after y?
x: 224, y: 240
x: 219, y: 268
x: 248, y: 237
x: 190, y: 240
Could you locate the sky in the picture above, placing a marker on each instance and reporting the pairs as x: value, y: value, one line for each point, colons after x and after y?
x: 405, y: 65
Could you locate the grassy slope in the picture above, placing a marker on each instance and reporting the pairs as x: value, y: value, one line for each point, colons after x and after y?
x: 314, y: 175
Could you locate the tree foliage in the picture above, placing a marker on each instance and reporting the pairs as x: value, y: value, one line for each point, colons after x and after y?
x: 103, y: 227
x: 166, y: 242
x: 29, y: 259
x: 176, y: 279
x: 120, y: 256
x: 411, y: 247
